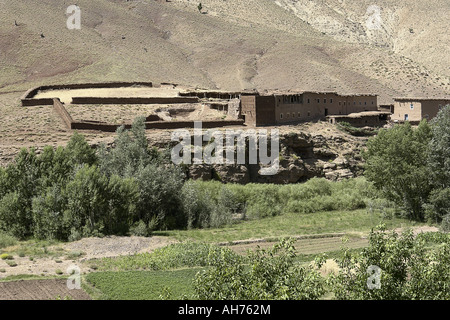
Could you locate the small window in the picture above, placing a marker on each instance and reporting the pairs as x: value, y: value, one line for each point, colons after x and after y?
x: 344, y: 103
x: 287, y: 115
x: 365, y: 103
x: 372, y: 102
x: 308, y: 100
x: 309, y: 114
x: 354, y: 102
x: 411, y: 106
x: 324, y: 100
x: 318, y: 100
x: 406, y: 117
x: 339, y: 103
x: 281, y: 116
x: 331, y: 100
x: 298, y: 115
x: 360, y: 103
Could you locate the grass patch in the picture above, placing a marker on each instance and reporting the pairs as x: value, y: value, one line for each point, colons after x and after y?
x: 11, y: 263
x: 6, y: 240
x: 36, y: 249
x: 292, y: 224
x: 142, y: 285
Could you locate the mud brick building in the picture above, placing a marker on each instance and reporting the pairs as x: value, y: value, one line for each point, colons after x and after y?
x: 279, y: 109
x: 416, y: 109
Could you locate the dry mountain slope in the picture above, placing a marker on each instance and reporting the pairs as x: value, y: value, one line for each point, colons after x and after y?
x: 234, y: 44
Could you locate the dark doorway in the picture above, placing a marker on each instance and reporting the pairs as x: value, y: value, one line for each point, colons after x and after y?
x: 326, y: 112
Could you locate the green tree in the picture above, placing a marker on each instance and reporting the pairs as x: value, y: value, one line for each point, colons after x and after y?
x: 439, y: 149
x: 396, y: 162
x: 439, y: 167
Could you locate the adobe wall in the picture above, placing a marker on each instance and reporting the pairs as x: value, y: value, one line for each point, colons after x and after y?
x: 134, y: 100
x: 37, y: 102
x: 407, y: 110
x: 248, y: 109
x: 360, y: 121
x: 106, y: 127
x: 310, y: 106
x: 265, y: 110
x: 61, y: 110
x: 28, y: 100
x: 431, y: 108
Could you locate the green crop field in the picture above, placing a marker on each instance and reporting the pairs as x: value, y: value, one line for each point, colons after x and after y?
x: 141, y: 285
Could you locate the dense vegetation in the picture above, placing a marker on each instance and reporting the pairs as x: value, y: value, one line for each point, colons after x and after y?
x: 74, y: 192
x: 411, y: 167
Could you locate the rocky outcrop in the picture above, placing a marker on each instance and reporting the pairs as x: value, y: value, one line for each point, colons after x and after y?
x: 302, y: 156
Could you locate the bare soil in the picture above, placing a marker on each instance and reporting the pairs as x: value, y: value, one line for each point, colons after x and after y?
x: 52, y: 289
x: 79, y: 253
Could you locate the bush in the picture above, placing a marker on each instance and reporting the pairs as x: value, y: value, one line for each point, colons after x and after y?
x: 438, y: 206
x: 269, y: 275
x: 407, y: 270
x: 445, y: 224
x: 6, y: 256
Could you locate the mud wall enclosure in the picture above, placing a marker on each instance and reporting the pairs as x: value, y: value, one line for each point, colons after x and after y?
x: 29, y: 100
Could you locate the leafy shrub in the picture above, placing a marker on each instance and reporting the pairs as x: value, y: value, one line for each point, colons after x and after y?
x: 408, y: 269
x: 140, y: 229
x: 445, y: 224
x: 438, y: 206
x: 270, y: 274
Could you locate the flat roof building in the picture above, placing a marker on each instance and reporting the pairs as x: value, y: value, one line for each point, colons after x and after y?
x: 417, y: 109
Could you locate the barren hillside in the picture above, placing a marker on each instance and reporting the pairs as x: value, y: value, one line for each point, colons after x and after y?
x: 232, y: 44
